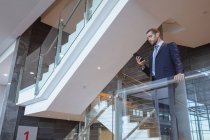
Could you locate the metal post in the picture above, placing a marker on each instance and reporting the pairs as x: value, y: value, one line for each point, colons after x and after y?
x: 156, y: 106
x: 180, y: 111
x: 87, y: 121
x: 207, y: 111
x: 88, y: 12
x: 38, y: 75
x: 118, y: 113
x: 196, y: 113
x: 171, y: 99
x: 60, y: 33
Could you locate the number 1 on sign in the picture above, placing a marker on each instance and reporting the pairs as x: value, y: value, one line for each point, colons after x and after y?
x: 26, y: 134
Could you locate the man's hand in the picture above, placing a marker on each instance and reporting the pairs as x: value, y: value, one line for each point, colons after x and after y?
x: 140, y: 61
x: 179, y: 77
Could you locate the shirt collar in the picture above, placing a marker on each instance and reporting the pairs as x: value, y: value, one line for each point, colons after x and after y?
x: 160, y: 43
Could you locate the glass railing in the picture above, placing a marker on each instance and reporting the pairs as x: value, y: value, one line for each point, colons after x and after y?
x: 92, y: 6
x: 163, y: 105
x: 46, y: 59
x: 99, y: 112
x: 39, y: 63
x: 70, y: 27
x: 198, y: 97
x: 162, y: 109
x: 29, y: 71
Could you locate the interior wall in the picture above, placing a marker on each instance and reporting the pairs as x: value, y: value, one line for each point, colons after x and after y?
x: 14, y: 115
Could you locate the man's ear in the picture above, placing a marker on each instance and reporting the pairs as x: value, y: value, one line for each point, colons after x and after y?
x: 158, y: 34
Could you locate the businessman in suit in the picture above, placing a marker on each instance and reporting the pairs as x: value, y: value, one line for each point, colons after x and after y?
x: 164, y: 61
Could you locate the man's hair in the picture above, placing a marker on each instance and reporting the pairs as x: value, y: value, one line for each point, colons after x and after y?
x: 153, y: 30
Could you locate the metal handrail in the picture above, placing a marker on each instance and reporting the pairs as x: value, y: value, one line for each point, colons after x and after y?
x: 158, y: 84
x: 138, y: 82
x: 63, y: 26
x: 133, y: 78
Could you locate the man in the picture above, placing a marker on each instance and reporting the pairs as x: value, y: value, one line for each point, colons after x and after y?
x: 164, y: 61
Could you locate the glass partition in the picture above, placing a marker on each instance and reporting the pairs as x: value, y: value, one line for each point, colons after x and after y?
x: 39, y: 64
x: 46, y: 59
x: 29, y: 71
x: 72, y: 24
x: 60, y: 40
x: 92, y: 6
x: 98, y: 119
x: 167, y: 115
x: 198, y: 97
x: 162, y: 109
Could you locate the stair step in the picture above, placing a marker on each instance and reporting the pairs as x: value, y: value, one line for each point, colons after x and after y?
x: 46, y: 75
x: 127, y: 126
x: 72, y: 37
x: 100, y: 106
x: 79, y: 26
x: 66, y: 46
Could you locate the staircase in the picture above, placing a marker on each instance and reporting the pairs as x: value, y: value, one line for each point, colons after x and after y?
x: 76, y: 81
x: 127, y: 126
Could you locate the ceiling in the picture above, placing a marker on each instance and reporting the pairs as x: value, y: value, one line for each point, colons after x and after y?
x: 16, y: 16
x: 188, y: 20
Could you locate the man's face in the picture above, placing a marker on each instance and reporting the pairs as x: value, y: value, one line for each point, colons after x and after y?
x: 152, y: 37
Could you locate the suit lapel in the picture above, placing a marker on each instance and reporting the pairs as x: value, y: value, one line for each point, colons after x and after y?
x: 161, y: 48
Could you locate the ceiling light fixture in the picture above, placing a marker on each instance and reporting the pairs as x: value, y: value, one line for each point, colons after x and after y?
x: 98, y: 67
x: 5, y: 74
x: 32, y: 73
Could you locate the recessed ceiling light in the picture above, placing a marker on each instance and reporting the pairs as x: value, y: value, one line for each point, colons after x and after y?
x: 32, y: 73
x: 9, y: 83
x: 5, y: 74
x: 98, y: 67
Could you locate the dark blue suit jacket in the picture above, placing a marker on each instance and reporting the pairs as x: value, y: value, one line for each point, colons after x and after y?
x: 167, y: 62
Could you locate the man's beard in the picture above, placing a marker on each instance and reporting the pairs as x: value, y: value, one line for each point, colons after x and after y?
x: 154, y: 43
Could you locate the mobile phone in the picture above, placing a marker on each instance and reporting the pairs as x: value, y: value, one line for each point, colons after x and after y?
x: 136, y: 54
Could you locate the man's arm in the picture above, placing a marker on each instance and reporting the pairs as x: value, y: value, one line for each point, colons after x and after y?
x: 142, y: 63
x: 146, y: 70
x: 176, y: 58
x: 177, y: 62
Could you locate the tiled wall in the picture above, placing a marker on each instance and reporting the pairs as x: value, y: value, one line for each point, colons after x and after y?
x: 48, y: 129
